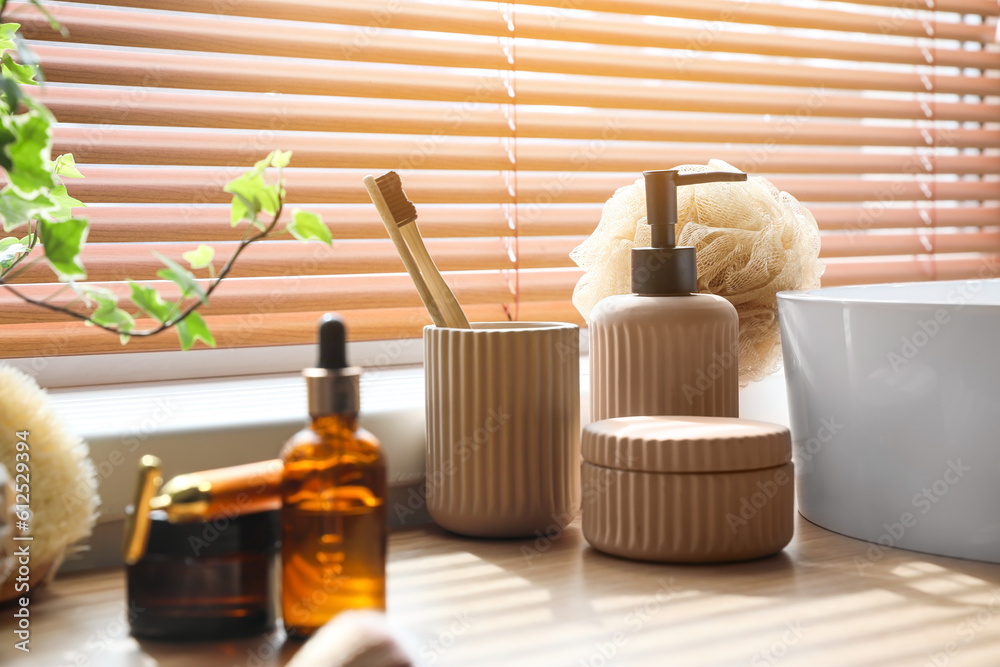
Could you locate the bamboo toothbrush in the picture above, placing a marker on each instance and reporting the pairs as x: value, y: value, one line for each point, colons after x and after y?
x: 400, y: 215
x: 404, y: 253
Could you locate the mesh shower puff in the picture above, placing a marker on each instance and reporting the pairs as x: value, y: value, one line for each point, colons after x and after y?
x: 753, y: 241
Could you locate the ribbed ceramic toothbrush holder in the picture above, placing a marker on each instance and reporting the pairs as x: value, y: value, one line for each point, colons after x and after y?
x: 503, y: 427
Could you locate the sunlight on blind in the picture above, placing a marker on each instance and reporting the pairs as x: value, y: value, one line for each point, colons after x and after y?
x: 510, y: 125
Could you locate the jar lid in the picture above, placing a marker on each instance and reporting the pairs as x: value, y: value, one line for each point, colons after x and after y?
x: 685, y: 444
x: 246, y: 533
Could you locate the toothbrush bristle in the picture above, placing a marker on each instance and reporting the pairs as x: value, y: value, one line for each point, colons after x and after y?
x: 402, y: 209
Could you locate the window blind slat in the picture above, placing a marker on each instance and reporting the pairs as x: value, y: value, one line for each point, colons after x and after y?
x: 887, y: 270
x: 210, y: 222
x: 333, y: 43
x: 732, y: 10
x: 105, y: 262
x: 191, y: 108
x: 612, y: 30
x: 113, y: 184
x: 269, y: 295
x: 836, y: 245
x: 273, y: 259
x: 127, y: 145
x: 865, y: 218
x: 54, y: 339
x: 791, y: 16
x: 86, y: 65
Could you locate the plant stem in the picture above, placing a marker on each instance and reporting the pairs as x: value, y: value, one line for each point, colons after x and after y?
x: 163, y: 326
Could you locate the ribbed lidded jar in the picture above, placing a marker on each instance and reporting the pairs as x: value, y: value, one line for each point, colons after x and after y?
x: 687, y: 489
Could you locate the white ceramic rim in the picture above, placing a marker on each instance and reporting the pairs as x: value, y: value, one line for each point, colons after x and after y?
x: 822, y: 294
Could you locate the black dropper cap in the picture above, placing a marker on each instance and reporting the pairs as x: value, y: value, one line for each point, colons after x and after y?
x: 333, y: 387
x: 332, y: 342
x: 665, y: 269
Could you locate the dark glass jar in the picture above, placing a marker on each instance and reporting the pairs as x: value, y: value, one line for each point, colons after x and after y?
x: 209, y: 580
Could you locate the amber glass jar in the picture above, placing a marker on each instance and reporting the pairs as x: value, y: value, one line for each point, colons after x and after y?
x: 209, y: 580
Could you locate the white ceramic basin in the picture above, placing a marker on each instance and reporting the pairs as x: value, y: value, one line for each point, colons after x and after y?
x: 894, y: 403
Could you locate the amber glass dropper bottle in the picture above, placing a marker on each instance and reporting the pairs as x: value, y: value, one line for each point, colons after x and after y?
x: 333, y: 499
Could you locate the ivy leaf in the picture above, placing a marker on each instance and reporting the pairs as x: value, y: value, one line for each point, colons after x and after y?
x: 28, y: 57
x: 7, y: 31
x: 94, y: 294
x: 181, y: 277
x: 149, y: 301
x: 16, y: 210
x: 269, y: 199
x: 12, y: 99
x: 65, y: 166
x: 307, y: 226
x: 30, y: 154
x: 21, y: 73
x: 241, y: 210
x: 10, y: 249
x: 62, y: 241
x: 201, y: 257
x: 107, y: 313
x: 245, y: 190
x: 192, y: 328
x: 62, y: 203
x: 280, y: 159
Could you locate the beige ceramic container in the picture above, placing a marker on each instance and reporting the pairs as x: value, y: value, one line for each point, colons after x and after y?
x: 687, y: 489
x: 503, y: 427
x: 664, y: 355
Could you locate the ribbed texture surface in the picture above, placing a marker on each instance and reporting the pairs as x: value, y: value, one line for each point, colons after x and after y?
x: 685, y: 444
x: 663, y: 356
x: 503, y: 427
x: 688, y: 518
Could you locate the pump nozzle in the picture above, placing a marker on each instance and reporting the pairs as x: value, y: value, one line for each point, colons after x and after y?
x: 663, y: 268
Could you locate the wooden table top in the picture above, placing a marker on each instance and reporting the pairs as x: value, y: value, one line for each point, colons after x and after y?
x: 826, y: 600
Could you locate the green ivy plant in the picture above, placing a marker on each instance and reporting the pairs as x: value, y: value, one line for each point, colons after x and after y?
x: 37, y: 210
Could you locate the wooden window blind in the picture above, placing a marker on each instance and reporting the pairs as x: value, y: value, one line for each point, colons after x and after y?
x: 511, y: 124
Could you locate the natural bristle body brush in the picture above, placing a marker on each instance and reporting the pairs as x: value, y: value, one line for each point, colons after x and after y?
x: 399, y: 216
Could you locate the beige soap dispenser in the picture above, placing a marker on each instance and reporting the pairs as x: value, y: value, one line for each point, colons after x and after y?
x: 665, y: 349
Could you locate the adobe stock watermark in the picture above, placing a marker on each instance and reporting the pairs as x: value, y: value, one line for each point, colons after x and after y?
x: 266, y: 651
x: 465, y: 449
x: 708, y: 377
x: 214, y: 528
x: 928, y: 328
x: 163, y: 412
x: 923, y: 502
x: 779, y: 648
x: 544, y: 539
x: 103, y: 639
x: 635, y: 620
x: 967, y: 630
x: 590, y: 490
x: 750, y: 506
x: 432, y: 650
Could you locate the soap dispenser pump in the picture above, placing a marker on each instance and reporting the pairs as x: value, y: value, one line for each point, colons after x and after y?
x: 664, y: 349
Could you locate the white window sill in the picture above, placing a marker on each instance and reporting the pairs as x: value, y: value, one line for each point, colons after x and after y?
x: 209, y: 423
